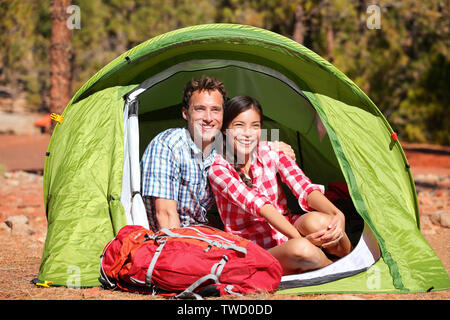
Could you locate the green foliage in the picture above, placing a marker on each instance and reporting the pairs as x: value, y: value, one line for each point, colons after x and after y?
x: 110, y: 28
x: 24, y: 43
x: 403, y: 66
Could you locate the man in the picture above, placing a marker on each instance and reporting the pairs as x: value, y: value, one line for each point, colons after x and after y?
x: 175, y: 164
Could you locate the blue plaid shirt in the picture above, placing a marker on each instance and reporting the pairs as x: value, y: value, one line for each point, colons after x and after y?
x: 173, y: 168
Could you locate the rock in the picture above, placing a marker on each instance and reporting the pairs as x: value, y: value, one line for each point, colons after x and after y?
x: 8, y: 175
x: 424, y: 199
x: 19, y: 225
x: 430, y: 179
x: 17, y: 220
x: 441, y: 218
x: 427, y: 227
x: 4, y: 228
x: 440, y: 193
x: 13, y: 182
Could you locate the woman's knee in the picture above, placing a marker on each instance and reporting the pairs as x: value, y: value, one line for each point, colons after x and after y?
x: 312, y: 222
x: 299, y: 255
x: 302, y: 249
x: 305, y: 256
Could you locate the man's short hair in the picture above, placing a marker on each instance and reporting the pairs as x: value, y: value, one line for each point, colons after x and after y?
x: 203, y: 83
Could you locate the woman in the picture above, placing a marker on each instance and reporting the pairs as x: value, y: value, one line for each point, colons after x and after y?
x: 252, y: 205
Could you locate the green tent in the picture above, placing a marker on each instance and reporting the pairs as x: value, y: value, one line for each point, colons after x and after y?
x: 91, y: 176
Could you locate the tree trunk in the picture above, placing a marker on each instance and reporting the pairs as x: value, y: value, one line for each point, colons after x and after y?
x: 361, y: 8
x: 299, y: 26
x: 330, y: 42
x: 60, y: 56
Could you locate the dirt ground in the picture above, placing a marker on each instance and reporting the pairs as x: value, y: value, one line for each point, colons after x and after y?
x: 21, y: 165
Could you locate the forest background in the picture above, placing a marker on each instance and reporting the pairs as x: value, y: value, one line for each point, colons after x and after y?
x: 396, y: 51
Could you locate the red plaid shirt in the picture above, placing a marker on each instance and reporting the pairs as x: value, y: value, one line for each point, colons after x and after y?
x: 239, y: 205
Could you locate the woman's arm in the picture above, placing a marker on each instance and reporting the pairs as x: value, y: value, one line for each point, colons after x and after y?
x: 297, y: 181
x: 319, y: 202
x: 279, y: 222
x: 310, y: 197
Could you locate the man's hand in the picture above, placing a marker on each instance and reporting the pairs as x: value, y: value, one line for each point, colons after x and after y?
x: 283, y: 147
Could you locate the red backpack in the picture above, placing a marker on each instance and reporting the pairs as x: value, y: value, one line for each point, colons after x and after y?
x: 187, y: 262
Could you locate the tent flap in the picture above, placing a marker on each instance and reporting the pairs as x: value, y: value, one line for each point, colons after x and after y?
x: 82, y: 182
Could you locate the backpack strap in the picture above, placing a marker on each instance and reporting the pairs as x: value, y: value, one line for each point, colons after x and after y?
x: 130, y: 243
x: 216, y: 269
x: 214, y: 275
x: 209, y: 241
x: 151, y: 267
x: 104, y: 279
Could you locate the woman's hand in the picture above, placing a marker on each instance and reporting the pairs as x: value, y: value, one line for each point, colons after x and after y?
x: 328, y: 237
x: 336, y: 228
x: 334, y: 232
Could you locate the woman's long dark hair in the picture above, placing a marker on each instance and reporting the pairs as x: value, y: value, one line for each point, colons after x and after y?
x: 232, y: 109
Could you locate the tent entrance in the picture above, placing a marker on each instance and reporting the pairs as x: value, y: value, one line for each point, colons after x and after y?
x: 154, y: 106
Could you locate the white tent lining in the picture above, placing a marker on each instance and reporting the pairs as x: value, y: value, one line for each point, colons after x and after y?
x: 365, y: 254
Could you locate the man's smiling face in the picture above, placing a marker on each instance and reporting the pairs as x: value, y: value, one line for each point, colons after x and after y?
x: 204, y: 116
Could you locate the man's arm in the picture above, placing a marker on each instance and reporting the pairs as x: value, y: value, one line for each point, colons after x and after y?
x: 160, y: 180
x: 166, y: 213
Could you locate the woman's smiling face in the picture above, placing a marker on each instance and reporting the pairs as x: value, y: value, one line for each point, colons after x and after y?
x: 243, y: 132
